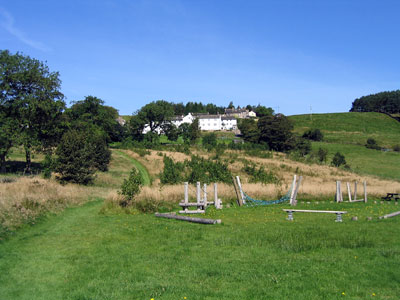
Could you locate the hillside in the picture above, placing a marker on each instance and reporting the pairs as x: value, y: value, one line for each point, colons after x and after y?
x: 351, y: 128
x: 348, y: 133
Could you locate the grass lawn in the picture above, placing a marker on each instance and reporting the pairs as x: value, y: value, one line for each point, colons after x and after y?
x: 254, y: 254
x: 351, y: 128
x: 365, y: 161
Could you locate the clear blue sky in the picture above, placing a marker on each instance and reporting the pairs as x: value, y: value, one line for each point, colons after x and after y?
x: 286, y: 54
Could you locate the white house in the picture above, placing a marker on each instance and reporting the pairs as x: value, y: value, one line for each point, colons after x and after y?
x: 228, y: 123
x: 210, y: 122
x: 179, y: 120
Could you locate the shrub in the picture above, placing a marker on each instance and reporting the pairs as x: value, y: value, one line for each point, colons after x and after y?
x: 97, y: 147
x: 302, y: 146
x: 322, y: 155
x: 47, y: 166
x: 338, y: 160
x: 74, y: 162
x: 172, y: 173
x: 372, y: 144
x: 314, y: 135
x: 396, y: 148
x: 260, y: 175
x: 209, y: 141
x: 131, y: 186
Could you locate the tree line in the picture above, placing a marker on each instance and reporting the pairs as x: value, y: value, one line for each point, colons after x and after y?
x: 387, y: 102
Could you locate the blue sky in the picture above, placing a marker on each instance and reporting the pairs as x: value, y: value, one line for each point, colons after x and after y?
x: 289, y: 55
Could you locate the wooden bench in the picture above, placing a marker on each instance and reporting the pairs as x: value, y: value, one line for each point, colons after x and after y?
x: 338, y: 213
x: 391, y: 196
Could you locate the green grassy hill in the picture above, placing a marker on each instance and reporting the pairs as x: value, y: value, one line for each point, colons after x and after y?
x: 351, y: 128
x: 348, y: 133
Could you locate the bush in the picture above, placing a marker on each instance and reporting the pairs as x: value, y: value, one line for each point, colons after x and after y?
x: 74, y: 162
x: 372, y: 144
x: 131, y: 186
x: 97, y: 147
x: 47, y: 166
x: 338, y: 160
x: 260, y: 175
x: 302, y: 146
x: 396, y: 148
x: 322, y: 155
x: 172, y: 173
x: 314, y: 135
x: 209, y: 141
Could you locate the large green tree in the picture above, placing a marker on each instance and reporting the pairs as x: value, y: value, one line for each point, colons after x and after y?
x: 30, y: 94
x: 276, y: 131
x: 92, y: 112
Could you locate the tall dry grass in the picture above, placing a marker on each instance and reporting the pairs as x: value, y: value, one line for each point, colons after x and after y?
x: 27, y: 198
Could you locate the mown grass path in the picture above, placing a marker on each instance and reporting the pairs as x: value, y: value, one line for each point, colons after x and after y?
x: 141, y: 168
x: 254, y: 254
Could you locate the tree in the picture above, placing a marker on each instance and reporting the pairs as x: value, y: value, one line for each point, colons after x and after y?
x: 30, y: 94
x: 249, y: 130
x: 171, y: 131
x: 262, y: 111
x: 372, y: 144
x: 92, y: 112
x: 209, y: 141
x: 338, y: 160
x: 155, y: 114
x: 276, y: 132
x: 74, y: 163
x: 322, y: 154
x: 314, y: 135
x: 190, y: 133
x: 388, y: 102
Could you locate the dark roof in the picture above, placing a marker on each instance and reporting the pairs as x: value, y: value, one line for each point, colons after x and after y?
x: 228, y: 118
x: 209, y: 117
x: 235, y: 111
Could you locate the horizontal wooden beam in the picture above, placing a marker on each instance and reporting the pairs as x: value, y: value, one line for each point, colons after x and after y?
x: 316, y: 211
x: 188, y: 219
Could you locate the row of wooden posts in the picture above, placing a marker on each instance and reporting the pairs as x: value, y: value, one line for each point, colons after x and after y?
x: 201, y: 202
x: 339, y: 194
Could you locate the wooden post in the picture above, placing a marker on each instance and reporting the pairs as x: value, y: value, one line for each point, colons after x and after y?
x: 198, y: 196
x: 296, y: 191
x: 349, y: 191
x: 292, y: 191
x: 339, y: 196
x: 355, y: 191
x: 237, y: 191
x: 188, y: 219
x: 365, y: 191
x: 205, y: 196
x: 216, y: 200
x: 186, y: 200
x: 240, y: 190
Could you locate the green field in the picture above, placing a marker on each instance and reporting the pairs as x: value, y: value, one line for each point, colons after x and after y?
x: 255, y: 254
x: 347, y: 133
x: 351, y: 128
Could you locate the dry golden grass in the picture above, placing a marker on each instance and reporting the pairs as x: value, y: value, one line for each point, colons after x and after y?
x: 318, y: 180
x: 28, y: 197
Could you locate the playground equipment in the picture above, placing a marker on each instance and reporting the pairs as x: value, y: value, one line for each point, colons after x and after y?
x: 338, y: 213
x: 244, y: 199
x: 201, y: 203
x: 188, y: 219
x: 339, y: 195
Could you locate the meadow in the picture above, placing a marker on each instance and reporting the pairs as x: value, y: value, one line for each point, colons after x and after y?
x: 76, y: 242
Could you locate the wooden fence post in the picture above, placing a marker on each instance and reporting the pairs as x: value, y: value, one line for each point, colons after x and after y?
x: 365, y: 191
x: 296, y: 191
x: 355, y: 191
x: 186, y: 200
x: 349, y: 191
x: 293, y: 188
x: 240, y: 190
x: 205, y: 195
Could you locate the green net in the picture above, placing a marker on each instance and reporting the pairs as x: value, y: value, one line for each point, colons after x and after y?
x: 254, y: 202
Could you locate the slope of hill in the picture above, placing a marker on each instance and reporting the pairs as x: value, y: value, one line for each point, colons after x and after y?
x: 348, y: 133
x: 351, y: 128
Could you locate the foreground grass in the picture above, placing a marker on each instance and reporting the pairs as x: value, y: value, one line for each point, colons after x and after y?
x: 254, y: 254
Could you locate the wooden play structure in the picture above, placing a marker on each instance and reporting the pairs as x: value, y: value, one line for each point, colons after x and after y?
x: 339, y: 194
x: 245, y: 200
x: 201, y: 202
x: 338, y: 213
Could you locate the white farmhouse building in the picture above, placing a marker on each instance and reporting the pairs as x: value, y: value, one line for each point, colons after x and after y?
x: 210, y: 122
x: 179, y: 120
x: 228, y: 123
